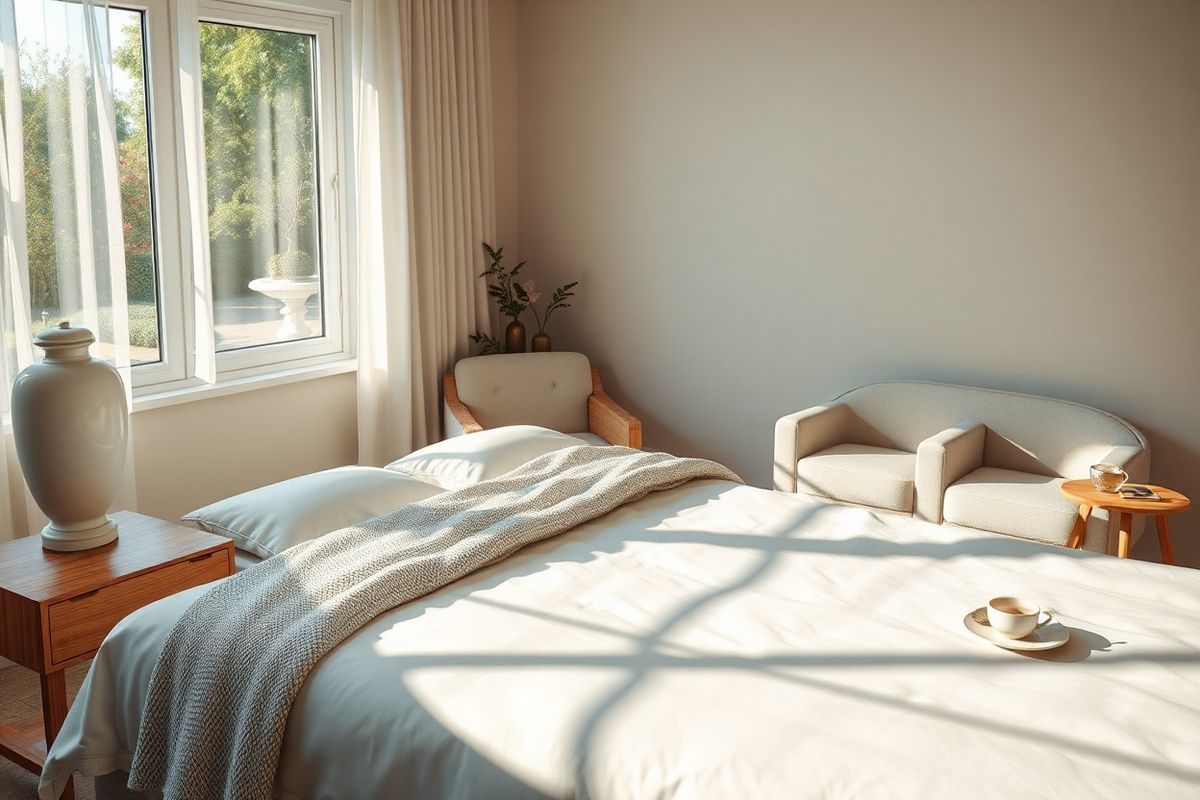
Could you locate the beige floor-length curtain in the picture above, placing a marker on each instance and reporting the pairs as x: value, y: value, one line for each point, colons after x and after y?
x: 426, y: 200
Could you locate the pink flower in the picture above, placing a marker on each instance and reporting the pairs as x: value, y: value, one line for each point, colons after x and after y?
x: 531, y: 292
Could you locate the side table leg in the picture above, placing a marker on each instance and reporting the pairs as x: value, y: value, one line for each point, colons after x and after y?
x: 54, y: 711
x: 1123, y: 542
x: 1164, y: 539
x: 1075, y: 540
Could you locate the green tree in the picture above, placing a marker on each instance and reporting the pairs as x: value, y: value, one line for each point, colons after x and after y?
x: 133, y: 143
x: 44, y: 228
x: 133, y: 138
x: 259, y: 141
x: 258, y: 133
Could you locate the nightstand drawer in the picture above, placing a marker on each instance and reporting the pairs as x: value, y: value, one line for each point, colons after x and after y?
x: 79, y: 625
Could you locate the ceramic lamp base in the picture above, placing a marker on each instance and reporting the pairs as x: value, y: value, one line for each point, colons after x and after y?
x: 72, y: 541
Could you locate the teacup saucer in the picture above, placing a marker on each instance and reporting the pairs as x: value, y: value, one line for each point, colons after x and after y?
x: 1047, y: 637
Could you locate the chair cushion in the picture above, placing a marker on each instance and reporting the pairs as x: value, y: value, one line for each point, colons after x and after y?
x: 857, y: 473
x: 1019, y: 504
x: 549, y: 390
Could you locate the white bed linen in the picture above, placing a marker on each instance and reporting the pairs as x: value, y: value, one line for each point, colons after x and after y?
x: 723, y: 642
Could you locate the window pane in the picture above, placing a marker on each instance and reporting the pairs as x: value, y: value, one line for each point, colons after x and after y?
x: 133, y: 138
x: 60, y: 166
x: 260, y: 145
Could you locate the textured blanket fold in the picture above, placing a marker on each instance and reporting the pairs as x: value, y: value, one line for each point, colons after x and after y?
x: 218, y: 701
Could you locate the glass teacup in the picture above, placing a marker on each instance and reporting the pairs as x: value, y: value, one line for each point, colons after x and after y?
x: 1108, y: 477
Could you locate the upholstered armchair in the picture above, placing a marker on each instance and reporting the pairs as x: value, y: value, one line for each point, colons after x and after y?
x: 560, y: 391
x: 976, y: 458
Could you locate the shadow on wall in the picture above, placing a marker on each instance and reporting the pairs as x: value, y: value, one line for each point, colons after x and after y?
x: 1174, y: 464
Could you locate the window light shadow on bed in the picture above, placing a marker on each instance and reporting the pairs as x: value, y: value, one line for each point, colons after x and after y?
x: 783, y: 668
x: 1061, y: 743
x: 652, y: 652
x: 867, y: 547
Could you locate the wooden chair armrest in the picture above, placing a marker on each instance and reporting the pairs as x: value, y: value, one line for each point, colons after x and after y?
x: 461, y: 413
x: 612, y: 423
x: 608, y: 420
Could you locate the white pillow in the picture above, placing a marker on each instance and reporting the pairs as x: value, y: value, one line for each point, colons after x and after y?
x: 269, y: 520
x: 466, y: 460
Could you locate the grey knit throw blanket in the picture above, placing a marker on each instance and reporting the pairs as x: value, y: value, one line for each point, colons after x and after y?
x: 219, y: 697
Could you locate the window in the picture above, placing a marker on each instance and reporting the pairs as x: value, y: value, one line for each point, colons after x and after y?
x: 133, y: 157
x: 58, y: 227
x: 272, y: 112
x: 260, y: 147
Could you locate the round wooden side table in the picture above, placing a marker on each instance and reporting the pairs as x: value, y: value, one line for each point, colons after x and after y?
x: 1089, y: 497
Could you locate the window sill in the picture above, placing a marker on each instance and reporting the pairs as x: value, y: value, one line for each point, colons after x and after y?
x: 204, y: 391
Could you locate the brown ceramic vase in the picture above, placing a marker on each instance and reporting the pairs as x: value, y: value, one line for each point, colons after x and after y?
x: 514, y: 337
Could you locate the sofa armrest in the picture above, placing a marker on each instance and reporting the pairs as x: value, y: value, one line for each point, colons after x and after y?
x: 456, y: 417
x: 1131, y: 458
x: 612, y: 423
x: 804, y: 433
x: 943, y: 459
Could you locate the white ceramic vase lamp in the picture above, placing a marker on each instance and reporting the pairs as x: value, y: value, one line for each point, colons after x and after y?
x: 71, y: 428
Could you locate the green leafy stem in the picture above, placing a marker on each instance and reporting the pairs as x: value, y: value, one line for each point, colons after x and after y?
x: 488, y: 345
x: 513, y: 297
x: 558, y: 299
x: 501, y: 288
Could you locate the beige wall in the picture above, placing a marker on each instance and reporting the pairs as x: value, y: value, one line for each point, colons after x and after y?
x: 192, y: 454
x: 770, y: 202
x: 503, y: 19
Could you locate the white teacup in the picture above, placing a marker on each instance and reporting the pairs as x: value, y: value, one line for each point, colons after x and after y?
x: 1014, y: 617
x: 1108, y: 477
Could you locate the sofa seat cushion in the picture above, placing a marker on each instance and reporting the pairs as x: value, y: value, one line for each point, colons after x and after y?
x: 857, y: 473
x: 1015, y: 503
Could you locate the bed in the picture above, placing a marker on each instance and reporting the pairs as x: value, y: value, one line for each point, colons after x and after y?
x: 718, y: 640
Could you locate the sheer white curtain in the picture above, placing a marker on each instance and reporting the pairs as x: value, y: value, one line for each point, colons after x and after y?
x: 426, y: 200
x: 57, y: 132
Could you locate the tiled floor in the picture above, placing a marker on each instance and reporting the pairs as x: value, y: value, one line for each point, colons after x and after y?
x: 20, y: 701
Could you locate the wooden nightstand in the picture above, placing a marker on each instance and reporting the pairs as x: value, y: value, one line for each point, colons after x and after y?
x: 56, y: 608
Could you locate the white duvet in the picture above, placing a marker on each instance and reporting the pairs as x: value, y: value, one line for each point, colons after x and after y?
x: 717, y: 641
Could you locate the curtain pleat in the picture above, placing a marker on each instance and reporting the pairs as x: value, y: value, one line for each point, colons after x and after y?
x: 426, y: 200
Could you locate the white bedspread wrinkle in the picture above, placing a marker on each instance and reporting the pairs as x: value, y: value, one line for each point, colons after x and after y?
x: 218, y: 701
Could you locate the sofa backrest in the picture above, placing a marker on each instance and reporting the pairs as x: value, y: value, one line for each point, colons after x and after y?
x: 1025, y: 432
x: 546, y: 389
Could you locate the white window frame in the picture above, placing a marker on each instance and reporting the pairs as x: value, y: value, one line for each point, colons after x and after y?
x: 161, y: 99
x: 327, y: 22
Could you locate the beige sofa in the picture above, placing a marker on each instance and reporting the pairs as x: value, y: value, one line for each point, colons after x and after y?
x: 977, y: 458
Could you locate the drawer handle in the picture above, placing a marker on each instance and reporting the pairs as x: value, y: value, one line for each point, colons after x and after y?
x: 200, y: 558
x: 84, y: 596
